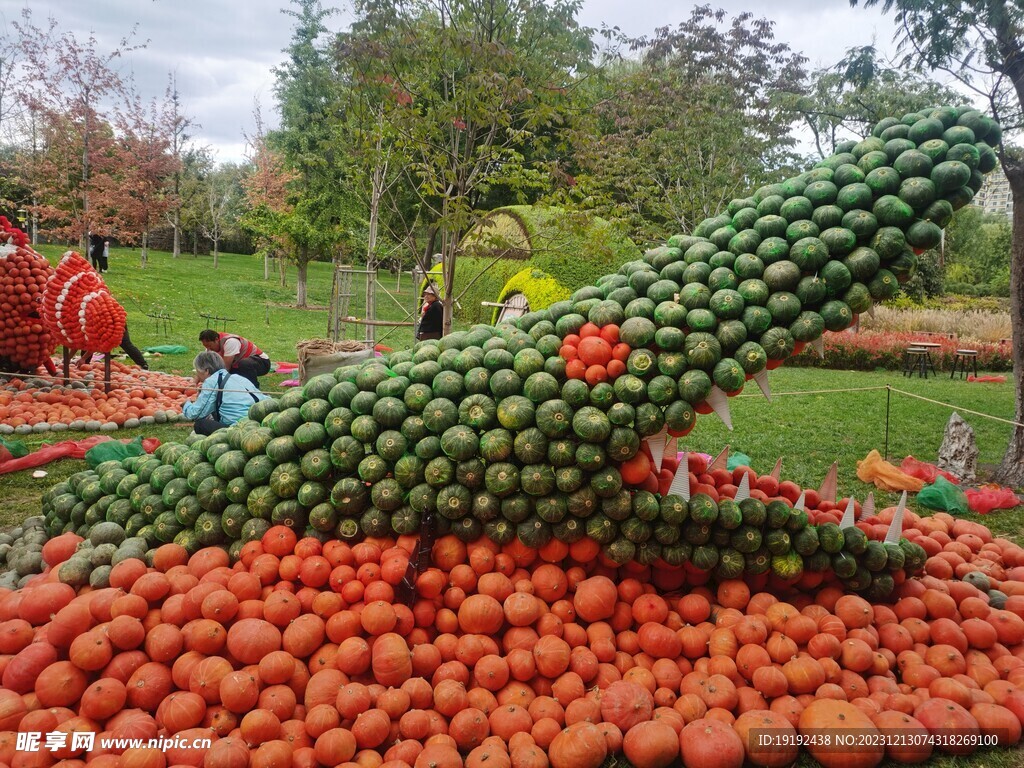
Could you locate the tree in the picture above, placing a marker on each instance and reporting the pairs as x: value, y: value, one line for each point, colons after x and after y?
x: 220, y: 205
x: 67, y: 83
x: 177, y: 124
x: 265, y: 188
x: 141, y: 197
x: 475, y: 86
x: 977, y: 248
x: 304, y: 91
x: 981, y: 44
x: 848, y: 98
x: 698, y: 119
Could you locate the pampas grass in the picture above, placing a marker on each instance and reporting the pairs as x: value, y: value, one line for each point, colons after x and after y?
x: 968, y: 325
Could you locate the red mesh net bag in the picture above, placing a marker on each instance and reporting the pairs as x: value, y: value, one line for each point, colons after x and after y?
x: 25, y: 340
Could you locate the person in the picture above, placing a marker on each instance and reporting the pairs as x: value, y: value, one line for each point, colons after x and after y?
x: 96, y: 251
x: 240, y: 355
x: 223, y: 398
x: 105, y: 257
x: 432, y: 317
x: 129, y: 348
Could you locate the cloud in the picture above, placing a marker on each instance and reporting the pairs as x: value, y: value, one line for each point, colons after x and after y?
x: 223, y: 52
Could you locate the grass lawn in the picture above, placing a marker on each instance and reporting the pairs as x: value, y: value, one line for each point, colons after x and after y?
x: 808, y: 428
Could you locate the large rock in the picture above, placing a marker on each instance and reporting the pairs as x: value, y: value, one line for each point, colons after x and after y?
x: 959, y: 451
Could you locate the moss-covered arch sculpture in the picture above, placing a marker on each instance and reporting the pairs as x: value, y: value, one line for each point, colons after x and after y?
x: 522, y: 250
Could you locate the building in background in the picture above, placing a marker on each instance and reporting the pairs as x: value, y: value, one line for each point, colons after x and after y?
x: 994, y: 195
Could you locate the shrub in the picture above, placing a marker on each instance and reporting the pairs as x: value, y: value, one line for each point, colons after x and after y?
x: 868, y: 350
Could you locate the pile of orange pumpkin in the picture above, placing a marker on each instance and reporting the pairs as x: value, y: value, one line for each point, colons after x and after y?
x: 306, y: 654
x: 25, y: 340
x: 134, y: 394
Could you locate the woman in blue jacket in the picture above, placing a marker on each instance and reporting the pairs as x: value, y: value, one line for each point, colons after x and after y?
x: 223, y: 398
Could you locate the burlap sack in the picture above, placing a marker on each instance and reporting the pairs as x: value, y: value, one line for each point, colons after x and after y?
x: 317, y: 356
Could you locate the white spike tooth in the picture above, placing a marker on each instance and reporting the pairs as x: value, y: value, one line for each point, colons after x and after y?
x: 829, y: 485
x: 719, y: 402
x: 848, y: 516
x: 896, y: 528
x: 871, y: 311
x: 867, y: 509
x: 777, y: 471
x: 819, y: 346
x: 657, y: 445
x: 721, y: 461
x: 681, y: 483
x: 761, y: 379
x: 743, y: 492
x: 801, y: 503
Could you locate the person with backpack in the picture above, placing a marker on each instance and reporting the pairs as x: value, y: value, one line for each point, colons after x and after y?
x: 223, y: 398
x: 240, y: 355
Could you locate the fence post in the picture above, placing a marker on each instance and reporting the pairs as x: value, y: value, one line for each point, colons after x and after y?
x: 888, y: 398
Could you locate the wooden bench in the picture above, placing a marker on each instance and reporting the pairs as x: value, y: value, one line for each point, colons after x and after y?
x: 935, y: 335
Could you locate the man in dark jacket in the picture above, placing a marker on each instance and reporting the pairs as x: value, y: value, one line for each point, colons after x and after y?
x: 432, y: 317
x: 96, y: 251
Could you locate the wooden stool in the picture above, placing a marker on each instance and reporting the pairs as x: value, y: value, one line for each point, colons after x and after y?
x: 963, y: 358
x: 917, y: 359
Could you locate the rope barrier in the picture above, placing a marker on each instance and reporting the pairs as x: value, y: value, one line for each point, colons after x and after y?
x: 136, y: 384
x: 956, y: 407
x: 951, y: 406
x: 816, y: 392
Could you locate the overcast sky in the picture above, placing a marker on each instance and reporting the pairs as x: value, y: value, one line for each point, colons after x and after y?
x: 222, y: 52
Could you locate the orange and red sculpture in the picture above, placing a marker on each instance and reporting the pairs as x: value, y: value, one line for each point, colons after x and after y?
x: 41, y: 307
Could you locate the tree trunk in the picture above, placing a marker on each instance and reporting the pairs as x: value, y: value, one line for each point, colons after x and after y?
x: 216, y: 252
x: 85, y: 176
x: 1011, y: 471
x: 145, y: 248
x: 282, y: 271
x: 300, y: 279
x: 176, y: 252
x: 266, y: 265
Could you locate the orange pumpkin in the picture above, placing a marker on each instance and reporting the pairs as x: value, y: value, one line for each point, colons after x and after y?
x: 624, y: 704
x: 768, y: 737
x: 711, y: 742
x: 651, y: 743
x: 581, y: 745
x: 836, y: 720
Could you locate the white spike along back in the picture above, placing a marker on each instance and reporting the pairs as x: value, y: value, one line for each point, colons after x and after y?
x: 871, y: 311
x: 719, y: 402
x: 896, y: 529
x: 681, y: 482
x: 819, y: 346
x: 657, y: 445
x: 829, y: 485
x: 743, y: 492
x: 848, y: 516
x: 721, y: 461
x: 801, y: 503
x: 761, y: 379
x: 867, y: 509
x: 672, y: 447
x: 777, y: 471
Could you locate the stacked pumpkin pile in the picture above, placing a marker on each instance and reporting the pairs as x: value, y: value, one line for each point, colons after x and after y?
x: 137, y: 398
x: 554, y: 428
x: 25, y: 341
x: 302, y: 654
x: 543, y: 629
